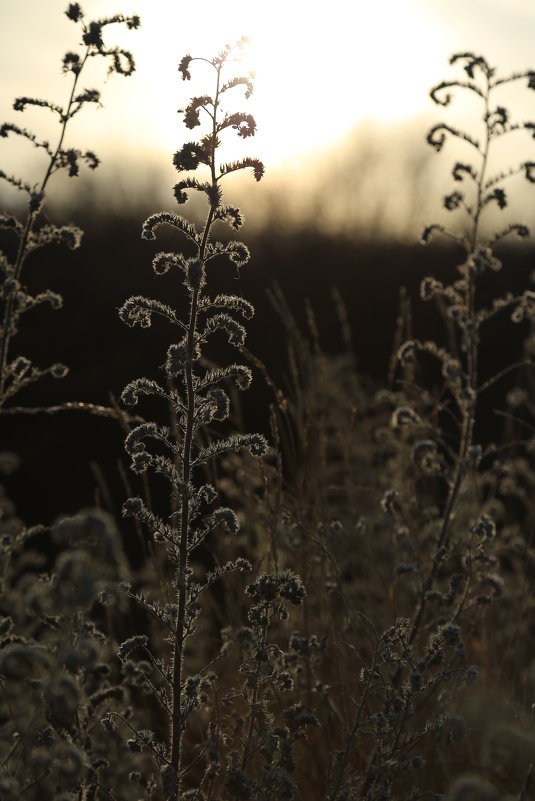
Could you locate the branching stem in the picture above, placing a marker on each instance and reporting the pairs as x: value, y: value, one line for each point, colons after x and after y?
x: 178, y: 711
x: 22, y: 250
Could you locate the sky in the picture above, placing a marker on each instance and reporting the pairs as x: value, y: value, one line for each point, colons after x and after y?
x: 325, y: 71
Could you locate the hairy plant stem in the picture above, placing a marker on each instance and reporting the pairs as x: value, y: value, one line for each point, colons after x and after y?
x: 178, y: 718
x: 467, y: 422
x: 177, y: 723
x: 28, y: 228
x: 468, y: 411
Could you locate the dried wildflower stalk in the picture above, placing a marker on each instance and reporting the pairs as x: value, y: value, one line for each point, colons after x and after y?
x: 449, y: 564
x: 34, y: 233
x: 195, y: 397
x: 459, y: 364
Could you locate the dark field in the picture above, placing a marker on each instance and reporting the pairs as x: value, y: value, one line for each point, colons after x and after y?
x: 372, y: 280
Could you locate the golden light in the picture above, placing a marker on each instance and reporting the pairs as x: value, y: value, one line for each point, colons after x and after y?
x: 322, y: 72
x: 322, y: 67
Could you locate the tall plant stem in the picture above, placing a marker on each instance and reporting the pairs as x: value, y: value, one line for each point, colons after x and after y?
x: 178, y: 721
x: 28, y: 228
x: 468, y: 411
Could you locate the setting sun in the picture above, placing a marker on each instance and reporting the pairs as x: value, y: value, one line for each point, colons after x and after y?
x: 342, y: 68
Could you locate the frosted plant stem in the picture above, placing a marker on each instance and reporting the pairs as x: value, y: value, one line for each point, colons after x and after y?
x: 177, y: 723
x: 468, y: 413
x: 30, y: 220
x: 199, y: 400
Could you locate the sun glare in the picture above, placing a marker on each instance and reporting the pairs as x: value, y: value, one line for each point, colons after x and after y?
x: 320, y: 68
x: 320, y: 74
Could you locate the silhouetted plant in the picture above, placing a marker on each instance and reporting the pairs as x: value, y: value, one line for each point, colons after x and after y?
x: 54, y: 661
x: 35, y: 231
x: 464, y: 315
x: 445, y: 531
x: 196, y: 398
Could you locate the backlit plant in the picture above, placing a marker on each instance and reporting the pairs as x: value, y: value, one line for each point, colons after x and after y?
x: 442, y: 510
x: 34, y: 231
x: 465, y: 315
x: 196, y: 397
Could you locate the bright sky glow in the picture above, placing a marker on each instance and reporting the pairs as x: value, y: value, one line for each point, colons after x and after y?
x: 322, y: 67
